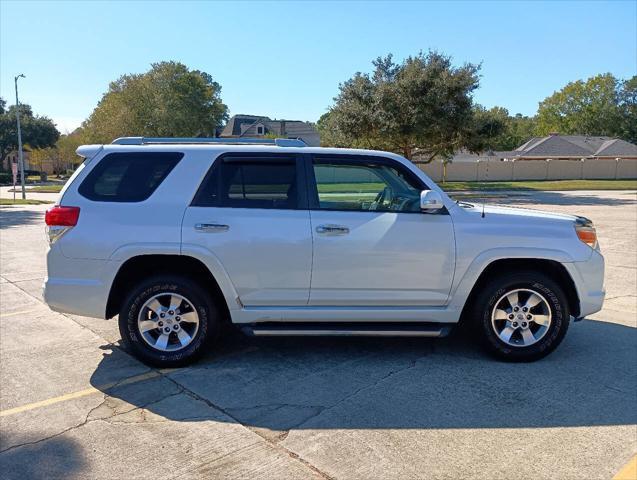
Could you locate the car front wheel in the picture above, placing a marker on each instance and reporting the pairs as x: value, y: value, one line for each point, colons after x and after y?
x: 521, y: 316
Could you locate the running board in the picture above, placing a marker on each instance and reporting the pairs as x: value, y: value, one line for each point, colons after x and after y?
x: 347, y: 329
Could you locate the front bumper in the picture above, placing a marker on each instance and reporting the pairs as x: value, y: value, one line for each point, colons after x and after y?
x: 588, y: 277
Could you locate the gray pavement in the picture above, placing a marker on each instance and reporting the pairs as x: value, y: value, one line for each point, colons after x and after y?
x: 75, y: 405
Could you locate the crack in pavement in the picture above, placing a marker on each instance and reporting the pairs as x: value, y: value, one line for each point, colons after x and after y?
x: 186, y: 391
x: 88, y: 419
x: 392, y: 373
x: 275, y: 445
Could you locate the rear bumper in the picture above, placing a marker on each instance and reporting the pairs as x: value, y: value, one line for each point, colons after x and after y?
x: 588, y: 277
x: 78, y: 286
x: 75, y: 296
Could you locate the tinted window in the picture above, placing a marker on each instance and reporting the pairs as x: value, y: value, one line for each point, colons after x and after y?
x: 364, y: 186
x: 128, y: 177
x: 251, y: 183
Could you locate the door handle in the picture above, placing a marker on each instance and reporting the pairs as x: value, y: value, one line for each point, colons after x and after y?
x: 331, y: 229
x: 211, y: 227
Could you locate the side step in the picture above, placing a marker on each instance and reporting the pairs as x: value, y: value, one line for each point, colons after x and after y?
x: 347, y: 329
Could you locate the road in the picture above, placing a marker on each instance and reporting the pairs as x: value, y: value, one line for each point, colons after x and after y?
x: 75, y: 405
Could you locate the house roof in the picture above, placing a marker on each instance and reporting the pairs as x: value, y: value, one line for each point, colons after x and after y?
x: 575, y: 146
x: 245, y: 125
x: 233, y: 127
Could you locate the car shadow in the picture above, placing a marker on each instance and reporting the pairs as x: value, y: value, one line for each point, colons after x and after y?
x: 55, y: 458
x: 12, y: 217
x: 314, y: 383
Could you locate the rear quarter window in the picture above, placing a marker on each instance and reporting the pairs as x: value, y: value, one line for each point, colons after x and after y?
x: 128, y: 177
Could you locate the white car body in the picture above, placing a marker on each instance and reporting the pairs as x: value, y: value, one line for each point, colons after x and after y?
x: 273, y: 266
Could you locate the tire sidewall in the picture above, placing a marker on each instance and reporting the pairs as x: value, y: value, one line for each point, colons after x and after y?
x: 559, y: 316
x: 129, y: 328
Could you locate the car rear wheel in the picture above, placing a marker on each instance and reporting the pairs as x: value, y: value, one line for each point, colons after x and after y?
x: 521, y: 316
x: 168, y: 321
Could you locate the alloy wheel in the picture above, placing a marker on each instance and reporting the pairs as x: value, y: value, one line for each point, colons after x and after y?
x: 521, y: 317
x: 168, y: 322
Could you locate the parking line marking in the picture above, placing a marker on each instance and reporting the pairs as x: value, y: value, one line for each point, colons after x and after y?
x: 22, y: 312
x: 629, y: 472
x: 81, y: 393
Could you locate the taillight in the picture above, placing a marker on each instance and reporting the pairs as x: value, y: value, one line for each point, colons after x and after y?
x: 586, y: 232
x: 60, y: 220
x: 59, y: 216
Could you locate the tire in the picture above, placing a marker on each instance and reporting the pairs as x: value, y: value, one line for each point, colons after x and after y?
x: 507, y: 333
x: 139, y: 321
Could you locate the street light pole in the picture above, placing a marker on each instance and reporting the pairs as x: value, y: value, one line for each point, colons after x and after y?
x: 17, y: 116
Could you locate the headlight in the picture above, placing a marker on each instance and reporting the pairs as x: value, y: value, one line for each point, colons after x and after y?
x: 586, y: 232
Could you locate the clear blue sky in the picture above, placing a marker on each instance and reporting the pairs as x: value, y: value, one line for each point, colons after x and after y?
x: 286, y: 59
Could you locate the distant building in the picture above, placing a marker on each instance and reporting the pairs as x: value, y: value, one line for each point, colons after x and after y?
x: 13, y: 157
x: 256, y: 126
x: 560, y: 147
x: 572, y: 147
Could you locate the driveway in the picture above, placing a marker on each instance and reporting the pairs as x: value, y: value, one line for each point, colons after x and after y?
x: 75, y: 405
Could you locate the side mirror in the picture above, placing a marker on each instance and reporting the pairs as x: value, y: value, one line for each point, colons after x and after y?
x: 430, y: 201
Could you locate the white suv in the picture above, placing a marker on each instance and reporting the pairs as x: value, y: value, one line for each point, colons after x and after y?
x: 177, y: 236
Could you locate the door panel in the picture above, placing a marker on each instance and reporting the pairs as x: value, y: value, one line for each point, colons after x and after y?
x: 251, y: 214
x: 390, y: 259
x: 372, y: 245
x: 267, y: 253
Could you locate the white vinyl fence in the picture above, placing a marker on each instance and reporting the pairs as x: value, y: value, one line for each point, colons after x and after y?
x: 486, y: 169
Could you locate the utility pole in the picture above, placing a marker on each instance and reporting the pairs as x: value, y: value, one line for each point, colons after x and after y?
x: 17, y: 116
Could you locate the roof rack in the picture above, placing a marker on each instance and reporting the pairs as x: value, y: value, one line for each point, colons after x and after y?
x: 279, y: 142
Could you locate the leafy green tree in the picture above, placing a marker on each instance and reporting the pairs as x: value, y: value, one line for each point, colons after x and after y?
x: 37, y: 131
x: 589, y: 107
x: 514, y: 130
x: 485, y: 129
x: 628, y: 110
x: 421, y: 107
x: 167, y: 101
x: 331, y: 135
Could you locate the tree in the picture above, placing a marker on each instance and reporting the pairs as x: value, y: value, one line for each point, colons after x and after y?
x: 50, y: 155
x: 513, y: 132
x: 628, y: 110
x: 66, y: 146
x: 37, y: 131
x: 588, y: 107
x: 167, y: 101
x: 486, y: 128
x: 420, y: 107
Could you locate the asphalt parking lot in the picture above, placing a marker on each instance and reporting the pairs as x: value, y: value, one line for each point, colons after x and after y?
x: 75, y: 405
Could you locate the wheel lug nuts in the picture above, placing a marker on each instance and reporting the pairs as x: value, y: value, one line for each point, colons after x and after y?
x: 525, y: 309
x: 515, y: 309
x: 162, y: 315
x: 511, y: 317
x: 176, y: 327
x: 178, y: 318
x: 170, y: 312
x: 528, y: 317
x: 524, y: 324
x: 167, y: 329
x: 515, y: 324
x: 161, y: 324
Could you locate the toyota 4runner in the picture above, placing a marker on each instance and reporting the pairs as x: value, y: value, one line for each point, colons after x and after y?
x: 177, y: 236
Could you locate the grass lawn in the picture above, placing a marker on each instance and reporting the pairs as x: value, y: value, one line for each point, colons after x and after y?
x: 19, y: 201
x: 542, y: 185
x: 46, y: 188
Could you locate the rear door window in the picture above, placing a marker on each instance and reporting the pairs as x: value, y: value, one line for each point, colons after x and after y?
x: 128, y: 177
x: 252, y: 182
